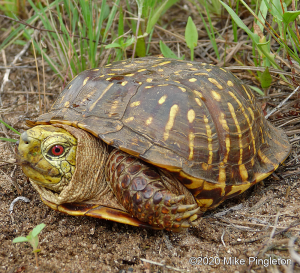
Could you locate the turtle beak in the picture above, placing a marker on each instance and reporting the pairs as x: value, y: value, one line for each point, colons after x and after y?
x: 23, y: 146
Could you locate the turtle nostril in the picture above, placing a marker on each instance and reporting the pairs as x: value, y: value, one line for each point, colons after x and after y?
x: 25, y: 138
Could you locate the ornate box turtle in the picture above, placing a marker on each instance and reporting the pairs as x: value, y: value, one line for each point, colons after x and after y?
x: 154, y: 143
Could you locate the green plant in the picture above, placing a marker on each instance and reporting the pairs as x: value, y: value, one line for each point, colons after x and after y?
x: 191, y: 36
x: 167, y: 52
x: 286, y: 35
x: 208, y: 24
x: 11, y: 128
x: 149, y: 13
x: 11, y: 7
x: 33, y: 239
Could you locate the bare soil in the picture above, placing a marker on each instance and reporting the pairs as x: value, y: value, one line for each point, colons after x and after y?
x: 261, y: 226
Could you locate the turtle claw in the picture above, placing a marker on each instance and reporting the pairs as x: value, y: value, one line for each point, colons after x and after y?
x: 185, y: 224
x: 190, y: 213
x: 184, y: 208
x: 175, y: 200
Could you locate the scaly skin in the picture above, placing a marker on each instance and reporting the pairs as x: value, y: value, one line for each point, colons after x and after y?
x: 38, y: 162
x: 140, y: 189
x: 137, y: 186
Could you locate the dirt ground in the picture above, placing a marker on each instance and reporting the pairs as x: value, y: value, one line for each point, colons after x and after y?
x: 260, y: 223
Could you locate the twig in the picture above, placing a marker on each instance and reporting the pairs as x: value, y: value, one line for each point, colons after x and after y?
x: 295, y: 256
x: 294, y: 224
x: 160, y: 264
x: 8, y: 70
x: 222, y: 238
x: 43, y: 29
x: 14, y: 183
x: 222, y: 213
x: 20, y: 198
x: 38, y: 77
x: 282, y: 103
x: 253, y: 68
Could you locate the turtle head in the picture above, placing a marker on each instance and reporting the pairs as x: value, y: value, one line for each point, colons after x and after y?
x: 48, y: 156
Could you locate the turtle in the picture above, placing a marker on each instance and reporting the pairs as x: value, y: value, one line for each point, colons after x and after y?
x: 150, y: 142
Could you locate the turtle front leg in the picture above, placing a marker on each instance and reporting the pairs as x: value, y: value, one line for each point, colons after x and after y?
x: 141, y: 191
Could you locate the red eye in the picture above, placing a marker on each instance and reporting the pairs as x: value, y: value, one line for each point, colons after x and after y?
x: 57, y: 150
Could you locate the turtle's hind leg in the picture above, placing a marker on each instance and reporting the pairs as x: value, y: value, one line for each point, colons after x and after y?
x: 140, y: 189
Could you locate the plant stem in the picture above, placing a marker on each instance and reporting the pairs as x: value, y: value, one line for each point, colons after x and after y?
x: 36, y: 259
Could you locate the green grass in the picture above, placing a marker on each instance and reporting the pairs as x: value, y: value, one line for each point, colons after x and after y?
x: 81, y: 34
x: 281, y: 30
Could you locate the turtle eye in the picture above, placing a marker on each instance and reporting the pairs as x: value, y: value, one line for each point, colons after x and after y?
x: 57, y: 150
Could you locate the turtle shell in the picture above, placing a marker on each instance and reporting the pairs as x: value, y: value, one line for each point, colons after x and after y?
x: 191, y: 118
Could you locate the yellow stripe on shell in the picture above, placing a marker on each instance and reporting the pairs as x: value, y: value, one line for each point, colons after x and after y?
x: 191, y: 115
x: 209, y: 139
x: 197, y: 182
x: 236, y: 188
x: 149, y: 120
x: 113, y: 108
x: 197, y: 93
x: 243, y: 172
x: 216, y: 95
x: 135, y: 103
x: 198, y: 101
x: 160, y: 64
x: 222, y: 173
x: 129, y: 119
x: 262, y: 135
x: 230, y: 83
x: 191, y: 145
x: 162, y: 99
x: 231, y: 109
x: 215, y: 82
x: 201, y: 74
x: 247, y: 118
x: 223, y: 122
x: 266, y: 160
x: 124, y: 83
x: 247, y: 93
x: 262, y: 176
x: 208, y: 186
x: 173, y: 111
x: 85, y: 81
x: 101, y: 96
